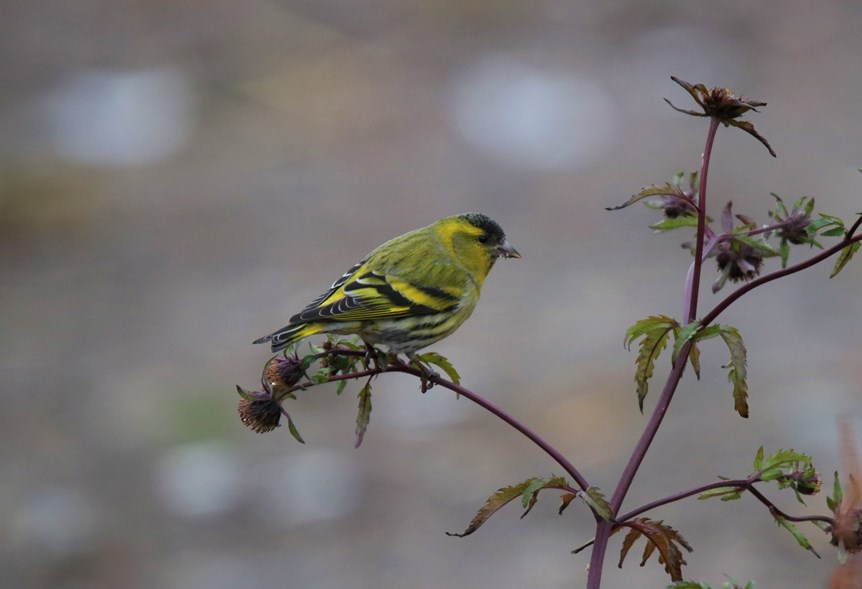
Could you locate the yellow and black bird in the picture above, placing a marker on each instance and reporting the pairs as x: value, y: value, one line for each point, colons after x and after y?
x: 411, y: 291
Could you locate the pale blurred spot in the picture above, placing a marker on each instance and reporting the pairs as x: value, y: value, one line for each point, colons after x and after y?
x: 55, y: 521
x: 121, y: 118
x: 312, y: 486
x: 416, y: 416
x: 198, y: 480
x: 534, y: 118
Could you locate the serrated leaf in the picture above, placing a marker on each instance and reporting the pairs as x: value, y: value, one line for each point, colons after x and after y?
x: 786, y: 458
x: 643, y: 326
x: 834, y: 232
x: 628, y: 542
x: 800, y: 537
x: 669, y: 224
x: 654, y: 332
x: 737, y: 365
x: 660, y: 537
x: 844, y: 257
x: 694, y: 359
x: 666, y: 189
x: 749, y: 128
x: 536, y: 485
x: 494, y: 503
x: 681, y: 336
x: 566, y: 499
x: 363, y: 416
x: 596, y: 500
x: 441, y: 362
x: 531, y: 494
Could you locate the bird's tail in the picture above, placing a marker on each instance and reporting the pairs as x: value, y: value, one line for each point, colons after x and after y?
x: 289, y: 334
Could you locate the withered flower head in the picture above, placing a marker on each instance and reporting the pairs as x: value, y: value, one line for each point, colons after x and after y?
x: 281, y: 373
x: 793, y: 225
x: 807, y: 482
x: 673, y: 207
x: 738, y: 261
x: 723, y: 105
x: 258, y: 411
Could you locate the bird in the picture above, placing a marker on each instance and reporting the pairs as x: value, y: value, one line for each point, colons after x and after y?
x: 409, y: 292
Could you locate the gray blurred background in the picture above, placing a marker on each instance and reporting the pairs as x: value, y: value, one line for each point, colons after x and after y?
x: 177, y: 178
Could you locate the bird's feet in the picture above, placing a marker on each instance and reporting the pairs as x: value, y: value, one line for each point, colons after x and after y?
x: 426, y: 373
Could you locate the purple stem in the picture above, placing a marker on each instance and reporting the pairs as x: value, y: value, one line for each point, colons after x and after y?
x: 603, y: 528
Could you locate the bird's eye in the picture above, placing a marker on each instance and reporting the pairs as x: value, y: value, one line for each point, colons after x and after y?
x: 483, y: 239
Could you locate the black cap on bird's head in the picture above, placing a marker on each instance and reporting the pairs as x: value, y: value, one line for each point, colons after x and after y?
x: 494, y: 233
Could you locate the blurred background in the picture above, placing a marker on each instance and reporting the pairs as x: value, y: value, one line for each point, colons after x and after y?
x: 178, y: 178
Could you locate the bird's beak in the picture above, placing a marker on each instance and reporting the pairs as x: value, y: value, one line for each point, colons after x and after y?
x: 506, y: 250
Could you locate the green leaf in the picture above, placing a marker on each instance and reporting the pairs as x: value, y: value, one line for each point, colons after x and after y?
x: 494, y: 503
x: 737, y: 365
x: 320, y: 377
x: 758, y: 459
x: 835, y: 232
x: 694, y: 359
x: 670, y: 224
x: 531, y: 493
x: 834, y: 502
x: 723, y: 492
x: 307, y: 361
x: 800, y: 537
x: 643, y: 326
x: 844, y: 257
x: 784, y: 252
x: 758, y: 244
x: 683, y: 335
x: 247, y: 395
x: 291, y: 427
x: 666, y: 189
x: 654, y: 330
x: 596, y: 500
x: 364, y: 414
x: 340, y: 387
x: 536, y: 485
x: 441, y: 362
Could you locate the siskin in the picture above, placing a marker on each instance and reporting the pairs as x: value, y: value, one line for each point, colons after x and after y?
x: 411, y: 291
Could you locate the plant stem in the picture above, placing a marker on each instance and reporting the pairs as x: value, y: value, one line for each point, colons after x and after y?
x: 749, y: 286
x: 603, y: 528
x: 511, y: 420
x: 694, y: 288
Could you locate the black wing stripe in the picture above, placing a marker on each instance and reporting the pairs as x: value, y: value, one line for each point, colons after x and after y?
x: 335, y: 286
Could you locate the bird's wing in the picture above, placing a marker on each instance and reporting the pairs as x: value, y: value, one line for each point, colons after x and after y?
x: 364, y: 293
